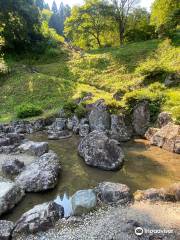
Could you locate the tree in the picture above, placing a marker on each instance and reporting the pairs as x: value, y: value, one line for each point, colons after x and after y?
x: 54, y: 7
x: 165, y: 15
x: 86, y: 21
x: 138, y: 26
x: 119, y: 10
x: 59, y: 16
x: 40, y: 4
x: 21, y: 23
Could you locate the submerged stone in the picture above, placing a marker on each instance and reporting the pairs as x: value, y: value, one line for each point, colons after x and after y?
x: 83, y: 201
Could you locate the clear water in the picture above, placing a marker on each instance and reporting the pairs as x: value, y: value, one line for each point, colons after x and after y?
x: 145, y: 167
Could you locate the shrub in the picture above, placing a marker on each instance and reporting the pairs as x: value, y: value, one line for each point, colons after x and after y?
x: 164, y: 61
x: 80, y: 111
x: 26, y: 110
x: 153, y: 94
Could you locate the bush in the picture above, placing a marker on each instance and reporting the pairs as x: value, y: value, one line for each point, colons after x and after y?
x: 162, y: 63
x: 154, y: 94
x: 28, y: 110
x: 80, y: 111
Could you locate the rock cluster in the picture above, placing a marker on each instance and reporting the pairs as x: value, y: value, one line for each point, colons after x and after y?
x: 172, y: 193
x: 167, y: 137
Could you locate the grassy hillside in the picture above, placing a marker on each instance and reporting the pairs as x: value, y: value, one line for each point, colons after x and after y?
x: 60, y: 75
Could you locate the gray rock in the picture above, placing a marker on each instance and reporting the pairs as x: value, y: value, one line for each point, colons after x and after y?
x: 99, y: 120
x: 141, y: 118
x: 163, y: 119
x: 59, y: 135
x: 12, y: 167
x: 150, y: 133
x: 167, y: 137
x: 40, y: 218
x: 6, y: 228
x: 42, y: 174
x: 100, y: 151
x: 119, y: 131
x: 34, y: 148
x: 10, y: 194
x: 151, y: 194
x: 109, y: 192
x: 84, y: 130
x: 58, y: 125
x: 177, y: 145
x: 83, y: 201
x: 72, y: 122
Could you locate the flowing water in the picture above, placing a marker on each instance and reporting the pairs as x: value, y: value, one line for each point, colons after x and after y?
x: 145, y: 167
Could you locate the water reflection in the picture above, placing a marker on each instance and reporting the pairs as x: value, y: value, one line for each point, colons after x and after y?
x: 65, y: 202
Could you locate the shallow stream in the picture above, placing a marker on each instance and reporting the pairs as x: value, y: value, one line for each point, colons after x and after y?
x: 145, y: 167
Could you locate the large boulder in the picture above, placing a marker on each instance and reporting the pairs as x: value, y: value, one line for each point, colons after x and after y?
x: 141, y: 118
x: 100, y: 151
x: 168, y: 138
x: 83, y: 201
x: 109, y: 192
x: 42, y: 174
x: 6, y: 228
x: 99, y: 120
x: 150, y: 133
x: 10, y: 194
x: 40, y: 218
x: 12, y: 167
x: 119, y: 131
x: 163, y: 119
x: 34, y: 148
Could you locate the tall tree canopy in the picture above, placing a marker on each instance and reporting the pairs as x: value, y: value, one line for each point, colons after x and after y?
x: 20, y: 21
x: 87, y: 23
x: 59, y: 16
x: 165, y: 15
x: 119, y: 10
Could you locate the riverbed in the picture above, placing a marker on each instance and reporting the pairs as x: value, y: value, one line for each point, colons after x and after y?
x: 145, y: 167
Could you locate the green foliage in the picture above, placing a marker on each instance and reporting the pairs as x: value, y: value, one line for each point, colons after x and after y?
x: 59, y: 16
x: 164, y: 16
x: 153, y: 94
x: 87, y: 26
x: 21, y: 23
x: 166, y: 60
x: 80, y: 111
x: 138, y: 26
x: 72, y: 108
x: 26, y: 110
x: 3, y: 67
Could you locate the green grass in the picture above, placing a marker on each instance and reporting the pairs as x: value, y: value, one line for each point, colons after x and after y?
x: 52, y: 79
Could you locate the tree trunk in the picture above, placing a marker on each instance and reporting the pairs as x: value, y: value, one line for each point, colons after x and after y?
x: 121, y: 33
x: 98, y: 41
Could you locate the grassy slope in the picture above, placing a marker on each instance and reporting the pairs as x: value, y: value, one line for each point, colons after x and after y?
x: 52, y: 79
